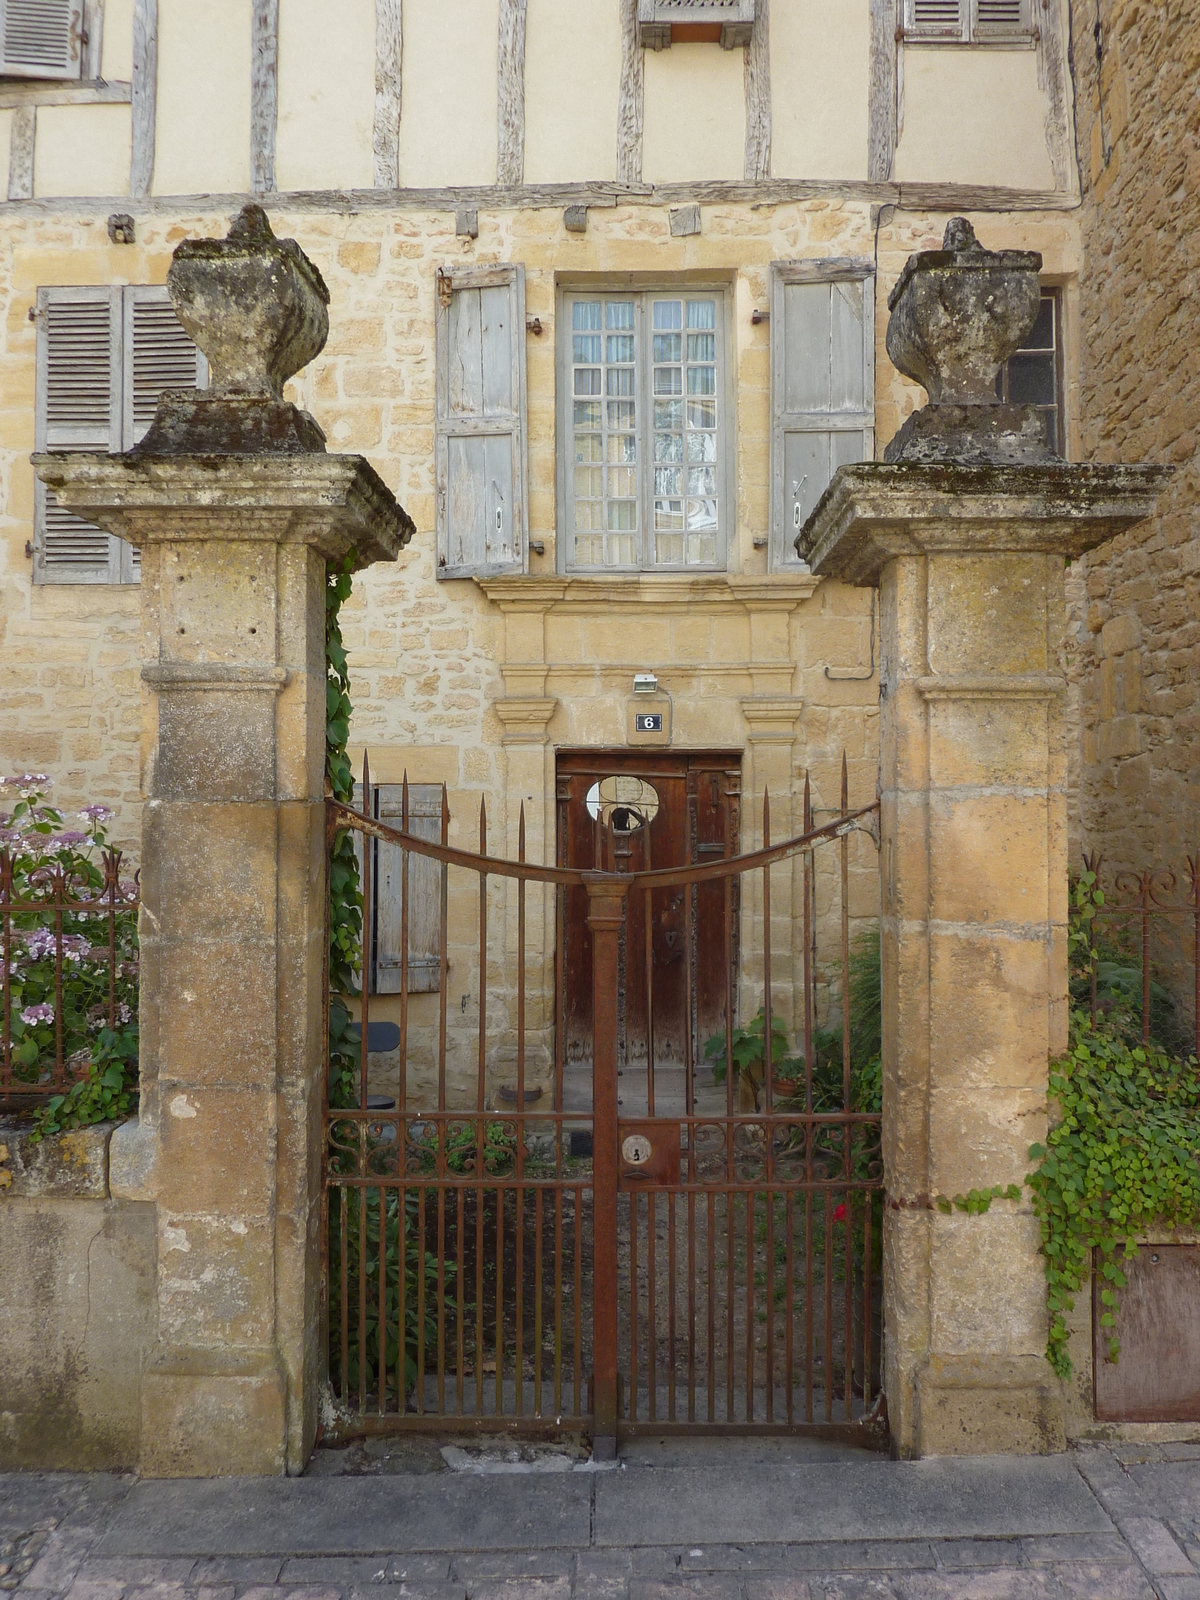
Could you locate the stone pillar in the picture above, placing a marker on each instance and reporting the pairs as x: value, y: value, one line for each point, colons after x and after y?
x: 235, y: 533
x: 968, y: 543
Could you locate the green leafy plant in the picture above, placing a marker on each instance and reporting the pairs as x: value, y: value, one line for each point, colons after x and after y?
x: 749, y: 1052
x: 1123, y: 1157
x: 345, y: 893
x: 362, y: 1211
x: 85, y: 1000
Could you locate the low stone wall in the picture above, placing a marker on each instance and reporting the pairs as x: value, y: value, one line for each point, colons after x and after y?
x: 77, y: 1310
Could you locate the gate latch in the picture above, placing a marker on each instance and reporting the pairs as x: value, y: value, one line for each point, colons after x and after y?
x: 648, y: 1154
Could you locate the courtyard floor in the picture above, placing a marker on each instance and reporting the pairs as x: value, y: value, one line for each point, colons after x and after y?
x: 741, y: 1520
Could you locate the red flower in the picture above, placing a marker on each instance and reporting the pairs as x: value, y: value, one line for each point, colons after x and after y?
x: 839, y: 1213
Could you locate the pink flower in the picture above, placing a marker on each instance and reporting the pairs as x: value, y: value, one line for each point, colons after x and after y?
x: 839, y: 1213
x: 64, y: 839
x: 96, y: 813
x: 35, y: 1014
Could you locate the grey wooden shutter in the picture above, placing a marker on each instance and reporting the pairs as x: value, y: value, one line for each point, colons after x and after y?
x: 1000, y: 19
x: 424, y: 892
x: 822, y: 386
x: 158, y: 355
x: 482, y: 512
x: 936, y: 19
x: 77, y: 408
x: 41, y: 38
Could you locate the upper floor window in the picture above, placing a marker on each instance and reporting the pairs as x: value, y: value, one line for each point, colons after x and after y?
x: 104, y: 357
x: 1034, y: 375
x: 968, y: 21
x: 643, y: 420
x: 41, y: 38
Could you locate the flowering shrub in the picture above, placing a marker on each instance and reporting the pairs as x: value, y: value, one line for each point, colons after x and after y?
x: 69, y: 996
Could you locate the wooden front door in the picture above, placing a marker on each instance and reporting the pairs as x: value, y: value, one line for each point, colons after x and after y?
x: 679, y: 946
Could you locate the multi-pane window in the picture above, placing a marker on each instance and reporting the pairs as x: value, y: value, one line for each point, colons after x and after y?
x: 1033, y: 376
x: 644, y: 480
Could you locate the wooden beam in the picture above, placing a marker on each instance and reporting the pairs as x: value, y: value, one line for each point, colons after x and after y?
x: 631, y: 105
x: 757, y: 82
x: 881, y: 92
x: 93, y: 26
x: 20, y: 153
x: 1054, y: 79
x: 389, y: 53
x: 85, y: 93
x: 920, y: 197
x: 144, y: 96
x: 264, y: 93
x: 510, y: 94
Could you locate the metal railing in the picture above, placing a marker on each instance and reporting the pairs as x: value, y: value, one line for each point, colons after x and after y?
x: 525, y: 1268
x: 1149, y: 921
x: 68, y: 959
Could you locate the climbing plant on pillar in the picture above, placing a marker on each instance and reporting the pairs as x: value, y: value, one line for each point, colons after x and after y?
x: 345, y: 893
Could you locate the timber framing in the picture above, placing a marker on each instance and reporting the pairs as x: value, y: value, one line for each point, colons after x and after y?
x: 389, y: 54
x: 757, y: 87
x: 882, y: 109
x: 631, y: 103
x: 144, y: 97
x: 510, y: 94
x: 90, y: 92
x: 264, y: 94
x: 936, y: 197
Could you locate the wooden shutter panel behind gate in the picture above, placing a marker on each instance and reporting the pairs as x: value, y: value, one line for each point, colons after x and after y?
x: 78, y: 378
x: 41, y: 38
x: 822, y: 386
x: 424, y: 893
x: 482, y: 515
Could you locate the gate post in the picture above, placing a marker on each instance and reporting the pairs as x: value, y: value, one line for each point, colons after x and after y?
x: 966, y: 529
x: 606, y: 918
x: 236, y: 509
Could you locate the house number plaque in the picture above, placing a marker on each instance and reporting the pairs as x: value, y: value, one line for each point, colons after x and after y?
x: 648, y: 722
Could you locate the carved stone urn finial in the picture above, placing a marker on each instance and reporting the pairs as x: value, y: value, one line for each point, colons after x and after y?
x: 256, y: 306
x: 957, y: 314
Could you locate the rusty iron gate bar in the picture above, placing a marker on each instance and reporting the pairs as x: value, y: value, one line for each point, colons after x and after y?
x: 531, y: 1269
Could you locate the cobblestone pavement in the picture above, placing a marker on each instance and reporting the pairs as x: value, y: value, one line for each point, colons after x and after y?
x: 477, y: 1533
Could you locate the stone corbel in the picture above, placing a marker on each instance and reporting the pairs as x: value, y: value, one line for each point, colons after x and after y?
x: 771, y: 719
x: 525, y: 718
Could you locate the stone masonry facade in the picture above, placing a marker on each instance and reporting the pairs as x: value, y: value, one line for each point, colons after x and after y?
x: 1139, y: 657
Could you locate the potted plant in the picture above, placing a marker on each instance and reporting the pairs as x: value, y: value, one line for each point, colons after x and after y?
x: 748, y: 1059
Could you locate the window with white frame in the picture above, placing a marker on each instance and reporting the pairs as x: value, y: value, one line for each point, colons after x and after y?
x: 643, y: 417
x: 41, y: 38
x: 104, y: 357
x: 968, y: 21
x: 822, y: 386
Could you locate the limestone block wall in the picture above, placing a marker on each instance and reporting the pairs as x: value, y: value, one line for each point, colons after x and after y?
x: 1139, y: 643
x: 78, y: 1311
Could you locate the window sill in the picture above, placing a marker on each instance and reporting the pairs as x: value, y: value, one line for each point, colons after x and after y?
x: 1024, y: 41
x: 56, y: 92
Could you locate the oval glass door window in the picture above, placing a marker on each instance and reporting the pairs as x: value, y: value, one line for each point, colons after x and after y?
x: 625, y: 802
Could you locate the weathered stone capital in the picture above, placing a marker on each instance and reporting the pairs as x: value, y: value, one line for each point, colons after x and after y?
x: 875, y: 511
x: 336, y: 503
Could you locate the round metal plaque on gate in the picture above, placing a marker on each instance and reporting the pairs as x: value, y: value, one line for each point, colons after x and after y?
x: 636, y: 1149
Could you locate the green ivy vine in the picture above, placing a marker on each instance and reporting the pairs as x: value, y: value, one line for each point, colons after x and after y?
x: 1123, y: 1154
x: 345, y: 894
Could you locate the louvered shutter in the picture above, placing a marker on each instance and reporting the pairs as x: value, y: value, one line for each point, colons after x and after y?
x: 936, y: 19
x: 78, y: 386
x: 41, y: 38
x: 158, y: 355
x: 482, y: 515
x: 1000, y: 19
x: 424, y: 893
x: 822, y: 386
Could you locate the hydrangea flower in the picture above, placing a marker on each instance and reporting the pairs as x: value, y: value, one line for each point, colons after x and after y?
x: 96, y: 813
x: 69, y: 840
x: 42, y: 1013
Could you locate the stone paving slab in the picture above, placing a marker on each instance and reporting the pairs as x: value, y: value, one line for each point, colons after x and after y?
x: 350, y: 1516
x: 871, y: 1498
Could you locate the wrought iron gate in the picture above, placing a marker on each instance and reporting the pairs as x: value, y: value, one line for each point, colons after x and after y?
x: 503, y: 1255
